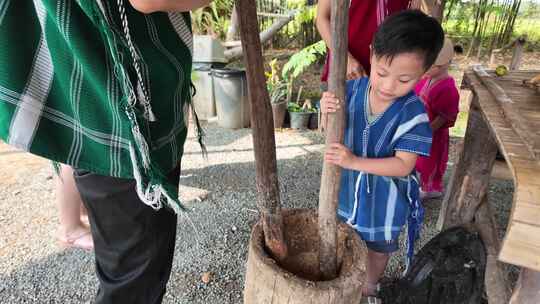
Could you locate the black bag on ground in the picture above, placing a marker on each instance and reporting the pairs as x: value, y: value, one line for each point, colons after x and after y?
x: 449, y: 269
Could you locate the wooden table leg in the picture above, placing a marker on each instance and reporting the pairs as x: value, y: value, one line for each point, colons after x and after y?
x: 527, y: 289
x: 497, y: 287
x: 471, y: 175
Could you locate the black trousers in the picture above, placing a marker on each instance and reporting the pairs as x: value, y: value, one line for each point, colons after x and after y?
x: 133, y: 243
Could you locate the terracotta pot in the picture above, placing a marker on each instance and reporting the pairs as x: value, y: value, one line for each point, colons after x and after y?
x: 279, y: 110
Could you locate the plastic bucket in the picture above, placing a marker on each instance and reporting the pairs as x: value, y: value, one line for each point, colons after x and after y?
x: 232, y: 104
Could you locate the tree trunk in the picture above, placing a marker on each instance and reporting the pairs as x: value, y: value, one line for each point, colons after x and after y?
x: 483, y: 25
x: 335, y: 128
x: 509, y: 27
x: 504, y: 21
x: 450, y: 7
x: 262, y: 124
x: 477, y: 22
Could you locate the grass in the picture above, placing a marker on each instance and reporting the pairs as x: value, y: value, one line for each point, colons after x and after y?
x: 460, y: 126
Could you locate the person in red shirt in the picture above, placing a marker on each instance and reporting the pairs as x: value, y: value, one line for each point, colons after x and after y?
x: 440, y: 95
x: 365, y: 16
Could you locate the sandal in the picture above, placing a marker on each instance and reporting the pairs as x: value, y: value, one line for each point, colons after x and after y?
x: 83, y: 241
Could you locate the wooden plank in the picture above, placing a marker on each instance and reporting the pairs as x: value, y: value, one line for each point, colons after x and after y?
x: 262, y: 124
x: 521, y: 245
x: 527, y: 171
x: 526, y: 211
x: 501, y: 170
x: 335, y: 129
x: 492, y: 112
x: 508, y: 107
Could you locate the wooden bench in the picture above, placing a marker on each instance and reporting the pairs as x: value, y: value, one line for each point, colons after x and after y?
x: 504, y: 115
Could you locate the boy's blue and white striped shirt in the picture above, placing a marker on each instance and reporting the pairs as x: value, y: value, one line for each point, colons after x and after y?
x: 378, y: 206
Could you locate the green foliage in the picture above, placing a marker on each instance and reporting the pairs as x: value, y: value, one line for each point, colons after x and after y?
x: 295, y: 107
x: 305, y: 17
x: 306, y: 13
x: 298, y: 63
x: 277, y: 88
x: 461, y: 19
x: 214, y: 19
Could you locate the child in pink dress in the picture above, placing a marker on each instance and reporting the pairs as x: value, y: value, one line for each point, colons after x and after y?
x: 441, y: 98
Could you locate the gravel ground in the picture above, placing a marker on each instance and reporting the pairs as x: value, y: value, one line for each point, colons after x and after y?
x: 212, y: 237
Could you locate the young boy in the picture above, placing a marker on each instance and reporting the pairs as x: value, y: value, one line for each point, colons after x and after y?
x: 387, y: 128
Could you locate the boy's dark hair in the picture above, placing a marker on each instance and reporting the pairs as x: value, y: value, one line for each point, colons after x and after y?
x: 409, y: 31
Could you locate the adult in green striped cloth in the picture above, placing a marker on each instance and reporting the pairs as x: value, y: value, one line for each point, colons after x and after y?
x: 104, y: 86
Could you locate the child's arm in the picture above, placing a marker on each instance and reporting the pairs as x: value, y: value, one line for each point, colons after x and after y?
x: 402, y: 164
x: 438, y: 123
x: 151, y: 6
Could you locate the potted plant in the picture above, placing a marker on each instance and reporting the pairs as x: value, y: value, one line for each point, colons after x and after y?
x: 297, y: 64
x: 277, y: 89
x: 300, y: 114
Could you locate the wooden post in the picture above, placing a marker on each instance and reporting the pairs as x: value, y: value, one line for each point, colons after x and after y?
x: 527, y: 289
x: 518, y: 53
x: 262, y: 124
x: 335, y: 128
x: 497, y: 288
x: 470, y: 179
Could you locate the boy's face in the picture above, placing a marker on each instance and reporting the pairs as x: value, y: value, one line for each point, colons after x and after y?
x: 393, y: 80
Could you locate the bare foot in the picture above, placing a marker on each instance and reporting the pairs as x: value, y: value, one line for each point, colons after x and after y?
x: 78, y: 238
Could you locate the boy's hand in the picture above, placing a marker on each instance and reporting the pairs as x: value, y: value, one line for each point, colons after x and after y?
x: 329, y: 103
x: 340, y: 155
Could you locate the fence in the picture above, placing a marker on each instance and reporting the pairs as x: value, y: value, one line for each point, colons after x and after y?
x: 290, y: 36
